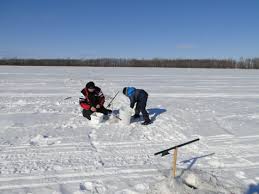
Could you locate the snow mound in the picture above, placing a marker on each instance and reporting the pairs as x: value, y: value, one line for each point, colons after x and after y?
x: 125, y: 115
x: 93, y: 187
x: 195, y: 181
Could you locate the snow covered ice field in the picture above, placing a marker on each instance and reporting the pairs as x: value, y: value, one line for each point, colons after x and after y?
x: 47, y: 146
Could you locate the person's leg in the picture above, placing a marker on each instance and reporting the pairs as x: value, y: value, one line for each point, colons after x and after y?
x: 143, y: 110
x: 87, y: 114
x: 145, y: 114
x: 137, y: 111
x: 104, y: 110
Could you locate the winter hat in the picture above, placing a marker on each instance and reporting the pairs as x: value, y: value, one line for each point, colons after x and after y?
x: 90, y: 85
x: 129, y: 91
x: 124, y: 91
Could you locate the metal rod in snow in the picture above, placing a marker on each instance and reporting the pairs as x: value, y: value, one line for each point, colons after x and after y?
x: 112, y: 100
x: 166, y: 152
x: 68, y: 97
x: 117, y: 117
x: 111, y: 103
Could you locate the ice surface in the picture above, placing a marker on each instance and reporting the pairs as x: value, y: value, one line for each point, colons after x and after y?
x: 47, y: 146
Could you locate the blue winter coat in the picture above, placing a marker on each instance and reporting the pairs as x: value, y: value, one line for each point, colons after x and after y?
x: 136, y: 95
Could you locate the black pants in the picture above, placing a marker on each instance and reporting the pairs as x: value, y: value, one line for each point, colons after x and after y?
x: 87, y: 113
x: 141, y: 107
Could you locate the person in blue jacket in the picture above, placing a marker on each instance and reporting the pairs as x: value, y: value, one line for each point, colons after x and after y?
x: 140, y: 97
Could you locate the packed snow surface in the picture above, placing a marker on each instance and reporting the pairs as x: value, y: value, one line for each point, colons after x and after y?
x: 47, y: 146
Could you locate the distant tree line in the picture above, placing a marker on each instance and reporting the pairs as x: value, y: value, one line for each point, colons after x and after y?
x: 242, y: 63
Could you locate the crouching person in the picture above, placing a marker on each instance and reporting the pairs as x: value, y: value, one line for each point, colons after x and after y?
x: 140, y: 97
x: 92, y: 100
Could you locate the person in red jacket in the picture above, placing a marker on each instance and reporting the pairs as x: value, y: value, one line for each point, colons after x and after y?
x: 92, y: 100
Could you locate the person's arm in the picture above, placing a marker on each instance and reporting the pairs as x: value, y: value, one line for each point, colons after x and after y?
x: 101, y: 98
x: 85, y: 106
x: 83, y: 102
x: 132, y: 101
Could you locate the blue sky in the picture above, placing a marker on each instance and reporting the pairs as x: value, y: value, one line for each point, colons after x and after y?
x: 129, y: 28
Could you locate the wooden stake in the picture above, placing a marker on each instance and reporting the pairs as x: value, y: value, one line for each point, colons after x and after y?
x: 174, y: 162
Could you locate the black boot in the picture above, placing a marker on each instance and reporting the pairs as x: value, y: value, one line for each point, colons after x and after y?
x: 87, y: 114
x: 146, y: 122
x: 109, y: 111
x: 104, y: 111
x: 135, y: 116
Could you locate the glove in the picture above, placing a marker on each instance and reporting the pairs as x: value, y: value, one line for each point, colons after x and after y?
x: 93, y: 109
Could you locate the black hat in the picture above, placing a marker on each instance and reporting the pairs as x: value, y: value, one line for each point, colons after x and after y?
x: 90, y: 85
x: 124, y: 90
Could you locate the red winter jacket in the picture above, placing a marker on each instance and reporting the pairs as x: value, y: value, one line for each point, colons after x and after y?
x: 91, y: 99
